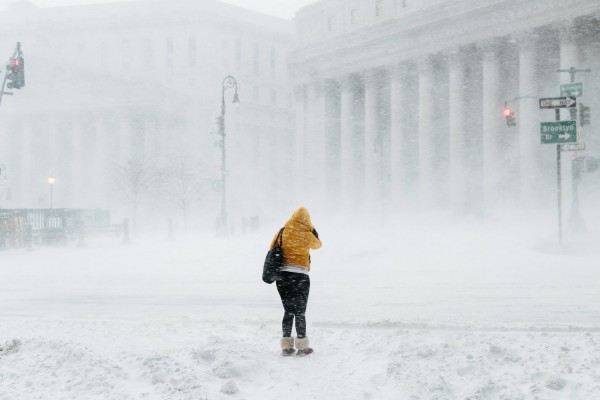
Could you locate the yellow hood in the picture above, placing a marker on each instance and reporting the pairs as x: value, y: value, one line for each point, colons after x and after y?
x: 302, y: 216
x: 298, y: 239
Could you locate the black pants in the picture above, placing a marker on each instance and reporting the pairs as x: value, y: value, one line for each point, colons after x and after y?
x: 293, y: 289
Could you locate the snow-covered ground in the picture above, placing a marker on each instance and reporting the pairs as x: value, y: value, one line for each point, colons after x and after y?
x: 412, y: 309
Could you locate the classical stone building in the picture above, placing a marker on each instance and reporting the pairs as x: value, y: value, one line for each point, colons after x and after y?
x: 113, y: 82
x: 402, y: 100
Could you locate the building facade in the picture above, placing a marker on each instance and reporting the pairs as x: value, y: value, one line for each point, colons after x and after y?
x: 110, y: 83
x: 403, y: 100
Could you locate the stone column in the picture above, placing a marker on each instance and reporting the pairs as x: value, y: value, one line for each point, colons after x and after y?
x: 38, y: 135
x: 372, y: 159
x: 492, y: 120
x: 80, y: 163
x: 426, y: 134
x: 528, y: 124
x: 316, y: 143
x: 347, y: 142
x: 457, y: 143
x: 92, y: 178
x: 54, y: 146
x: 103, y: 169
x: 299, y: 138
x: 28, y: 165
x: 569, y: 54
x: 18, y: 175
x: 398, y: 133
x: 64, y: 185
x: 126, y: 151
x: 332, y: 117
x: 5, y: 150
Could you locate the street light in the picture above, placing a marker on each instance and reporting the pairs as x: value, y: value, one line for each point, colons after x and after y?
x: 51, y: 181
x: 228, y: 83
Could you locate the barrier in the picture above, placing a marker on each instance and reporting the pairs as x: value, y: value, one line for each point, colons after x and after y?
x: 24, y: 227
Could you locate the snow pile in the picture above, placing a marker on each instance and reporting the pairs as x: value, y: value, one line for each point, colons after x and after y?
x: 409, y: 312
x: 57, y: 369
x: 350, y: 363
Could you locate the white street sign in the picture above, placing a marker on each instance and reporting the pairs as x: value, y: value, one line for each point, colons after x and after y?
x: 558, y: 102
x: 572, y: 147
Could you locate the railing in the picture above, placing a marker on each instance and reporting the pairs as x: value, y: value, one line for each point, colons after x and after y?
x: 25, y: 227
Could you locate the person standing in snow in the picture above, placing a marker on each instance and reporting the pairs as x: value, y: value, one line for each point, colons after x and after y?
x: 298, y: 237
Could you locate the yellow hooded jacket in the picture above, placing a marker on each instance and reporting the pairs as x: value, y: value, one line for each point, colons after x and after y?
x: 298, y: 239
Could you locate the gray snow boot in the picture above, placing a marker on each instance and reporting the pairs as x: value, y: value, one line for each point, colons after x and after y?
x: 287, y: 346
x: 302, y: 345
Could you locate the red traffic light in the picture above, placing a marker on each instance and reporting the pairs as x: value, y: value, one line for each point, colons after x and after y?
x: 16, y: 72
x: 509, y: 115
x: 14, y: 64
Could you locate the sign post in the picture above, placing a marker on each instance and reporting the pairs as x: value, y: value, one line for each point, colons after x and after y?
x: 558, y: 132
x: 575, y: 89
x: 559, y: 182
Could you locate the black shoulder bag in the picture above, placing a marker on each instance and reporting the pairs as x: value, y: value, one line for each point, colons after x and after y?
x: 273, y: 261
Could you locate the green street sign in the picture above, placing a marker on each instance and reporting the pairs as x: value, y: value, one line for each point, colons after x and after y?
x: 572, y: 89
x: 558, y: 132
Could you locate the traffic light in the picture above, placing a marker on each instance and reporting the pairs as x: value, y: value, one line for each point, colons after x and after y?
x: 15, y: 73
x: 591, y: 164
x: 584, y: 115
x: 11, y: 73
x: 509, y: 115
x: 21, y: 71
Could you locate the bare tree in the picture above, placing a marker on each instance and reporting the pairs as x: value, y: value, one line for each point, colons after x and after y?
x: 133, y: 180
x: 184, y: 183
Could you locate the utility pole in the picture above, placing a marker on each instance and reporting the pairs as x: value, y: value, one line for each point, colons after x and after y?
x: 576, y: 223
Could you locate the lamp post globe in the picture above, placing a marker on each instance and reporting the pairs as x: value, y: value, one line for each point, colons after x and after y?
x: 51, y: 181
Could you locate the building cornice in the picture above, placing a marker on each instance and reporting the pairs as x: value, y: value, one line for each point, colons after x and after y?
x: 451, y: 24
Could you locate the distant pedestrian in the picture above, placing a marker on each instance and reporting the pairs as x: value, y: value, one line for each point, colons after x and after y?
x: 298, y: 237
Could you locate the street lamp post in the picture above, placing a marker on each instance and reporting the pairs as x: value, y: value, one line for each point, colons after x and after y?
x: 51, y: 181
x: 228, y: 83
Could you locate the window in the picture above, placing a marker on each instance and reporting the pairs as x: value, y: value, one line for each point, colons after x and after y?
x: 354, y: 16
x: 148, y: 54
x: 256, y: 60
x: 238, y: 55
x: 192, y: 51
x: 103, y: 53
x: 169, y: 49
x: 273, y: 62
x: 379, y: 8
x: 400, y: 5
x: 331, y: 23
x: 273, y: 97
x: 125, y: 51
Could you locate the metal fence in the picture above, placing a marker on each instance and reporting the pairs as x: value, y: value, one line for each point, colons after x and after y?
x: 26, y: 227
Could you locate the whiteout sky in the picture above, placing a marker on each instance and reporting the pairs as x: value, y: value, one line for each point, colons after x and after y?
x: 420, y: 305
x: 278, y: 8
